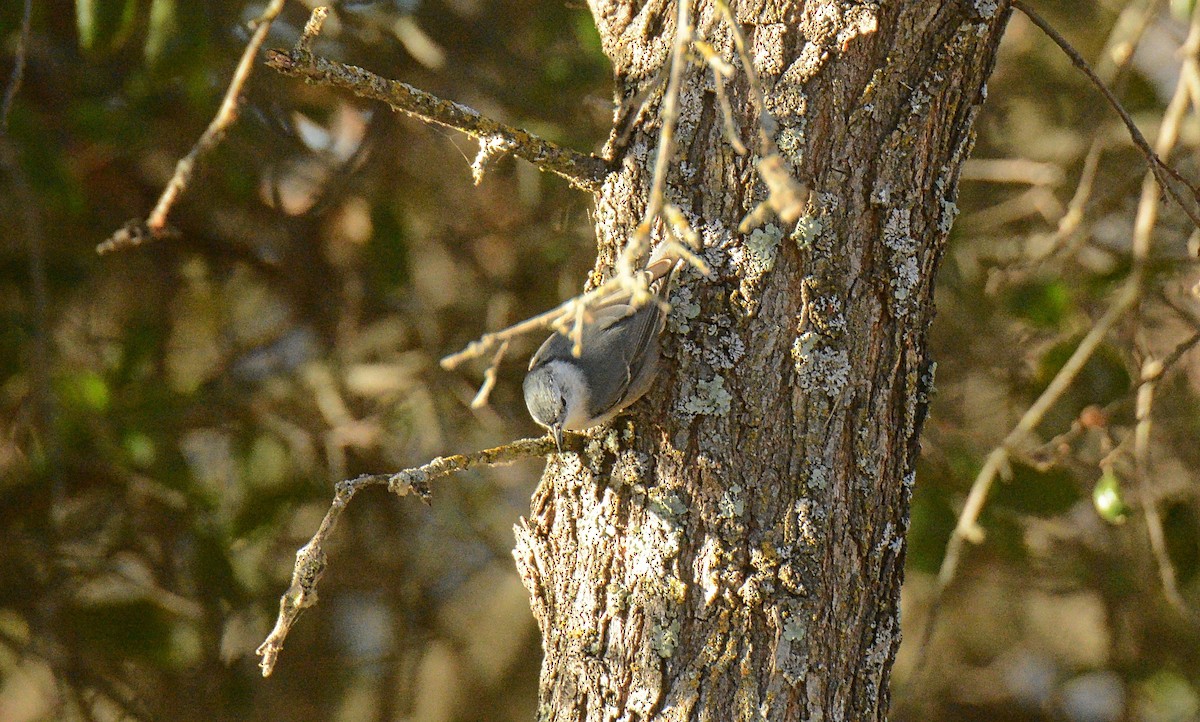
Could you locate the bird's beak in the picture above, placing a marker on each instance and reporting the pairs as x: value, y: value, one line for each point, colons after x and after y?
x: 557, y: 430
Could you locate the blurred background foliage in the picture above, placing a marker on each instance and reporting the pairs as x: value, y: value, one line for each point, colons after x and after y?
x: 172, y: 417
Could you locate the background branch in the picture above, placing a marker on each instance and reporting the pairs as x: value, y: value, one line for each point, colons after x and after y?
x: 996, y: 463
x: 1162, y: 172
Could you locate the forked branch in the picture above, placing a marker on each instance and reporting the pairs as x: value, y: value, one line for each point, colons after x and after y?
x: 311, y: 559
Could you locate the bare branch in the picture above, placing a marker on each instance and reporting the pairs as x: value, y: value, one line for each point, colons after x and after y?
x: 311, y: 559
x: 489, y: 378
x: 607, y: 292
x: 627, y: 283
x: 786, y: 196
x: 155, y: 227
x: 721, y: 71
x: 312, y: 29
x: 581, y: 170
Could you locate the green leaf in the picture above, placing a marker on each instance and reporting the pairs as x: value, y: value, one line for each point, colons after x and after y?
x: 87, y: 390
x: 1042, y: 303
x: 1106, y: 497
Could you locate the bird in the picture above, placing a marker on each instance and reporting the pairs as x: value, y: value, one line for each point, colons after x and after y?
x: 618, y: 360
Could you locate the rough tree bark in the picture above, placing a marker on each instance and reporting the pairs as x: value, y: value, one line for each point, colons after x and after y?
x: 733, y: 549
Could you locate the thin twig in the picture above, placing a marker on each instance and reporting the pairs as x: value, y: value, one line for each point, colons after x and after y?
x: 581, y: 170
x: 311, y: 559
x: 766, y: 124
x: 1162, y: 172
x: 627, y: 283
x: 786, y: 197
x: 548, y: 319
x: 155, y: 226
x: 1113, y: 69
x: 312, y: 29
x: 1151, y: 371
x: 721, y: 71
x: 489, y: 378
x: 1143, y: 229
x: 967, y: 528
x: 639, y: 242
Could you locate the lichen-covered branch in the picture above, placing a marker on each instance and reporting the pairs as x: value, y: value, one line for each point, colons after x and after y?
x: 311, y: 559
x: 581, y: 170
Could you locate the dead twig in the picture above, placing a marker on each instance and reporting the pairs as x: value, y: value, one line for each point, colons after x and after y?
x: 1151, y: 371
x: 155, y: 226
x: 786, y: 196
x: 489, y: 378
x: 311, y: 559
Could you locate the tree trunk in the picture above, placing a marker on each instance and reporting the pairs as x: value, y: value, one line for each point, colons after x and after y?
x: 739, y: 555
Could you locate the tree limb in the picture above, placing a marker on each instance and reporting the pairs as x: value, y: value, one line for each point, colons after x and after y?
x: 311, y: 559
x: 581, y: 170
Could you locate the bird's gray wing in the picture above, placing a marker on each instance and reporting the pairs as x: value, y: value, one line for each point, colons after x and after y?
x: 624, y: 339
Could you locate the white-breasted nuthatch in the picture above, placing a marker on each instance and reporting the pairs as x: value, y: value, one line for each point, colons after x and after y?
x: 619, y: 353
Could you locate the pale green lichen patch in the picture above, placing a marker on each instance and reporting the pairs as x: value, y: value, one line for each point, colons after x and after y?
x: 898, y: 236
x: 948, y: 208
x: 684, y: 310
x: 630, y: 468
x: 985, y: 8
x: 616, y: 599
x: 762, y: 244
x: 807, y: 229
x: 664, y: 637
x: 710, y: 399
x: 790, y: 142
x: 794, y: 629
x: 731, y: 505
x: 819, y: 366
x: 753, y: 260
x: 790, y: 658
x: 665, y: 503
x: 818, y: 476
